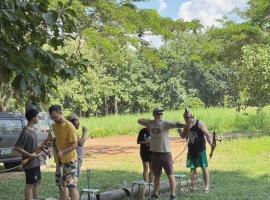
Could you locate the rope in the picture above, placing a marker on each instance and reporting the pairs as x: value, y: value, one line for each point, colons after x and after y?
x: 10, y: 169
x: 180, y: 153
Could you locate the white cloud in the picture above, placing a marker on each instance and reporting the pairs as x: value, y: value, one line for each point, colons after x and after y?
x: 162, y: 6
x: 208, y: 10
x: 154, y: 40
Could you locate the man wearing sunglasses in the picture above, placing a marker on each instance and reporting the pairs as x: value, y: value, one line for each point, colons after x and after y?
x: 66, y: 143
x: 161, y: 151
x: 196, y: 132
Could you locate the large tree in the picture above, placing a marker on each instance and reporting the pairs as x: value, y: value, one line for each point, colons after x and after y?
x: 34, y: 32
x: 31, y: 32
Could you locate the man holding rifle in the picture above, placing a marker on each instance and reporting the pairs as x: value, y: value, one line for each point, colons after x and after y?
x: 66, y: 143
x: 27, y: 145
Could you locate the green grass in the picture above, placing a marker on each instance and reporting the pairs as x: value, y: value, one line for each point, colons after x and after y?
x: 219, y: 119
x: 239, y: 169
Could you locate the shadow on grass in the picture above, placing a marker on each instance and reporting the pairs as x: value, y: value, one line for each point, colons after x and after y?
x: 224, y: 185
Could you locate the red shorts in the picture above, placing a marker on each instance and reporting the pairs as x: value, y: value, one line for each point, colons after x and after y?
x: 162, y: 160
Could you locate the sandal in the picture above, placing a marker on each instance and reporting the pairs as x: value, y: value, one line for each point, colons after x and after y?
x: 206, y: 191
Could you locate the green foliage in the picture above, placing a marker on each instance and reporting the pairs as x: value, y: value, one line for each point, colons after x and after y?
x: 210, y: 83
x: 30, y: 32
x: 253, y: 74
x: 230, y: 39
x: 91, y: 57
x: 192, y: 102
x: 258, y: 12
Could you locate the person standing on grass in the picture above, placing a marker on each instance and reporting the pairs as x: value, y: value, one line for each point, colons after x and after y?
x: 196, y: 132
x: 27, y: 145
x: 145, y: 153
x: 161, y: 151
x: 66, y: 143
x: 74, y: 119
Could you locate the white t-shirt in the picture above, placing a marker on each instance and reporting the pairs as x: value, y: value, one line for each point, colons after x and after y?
x: 159, y: 132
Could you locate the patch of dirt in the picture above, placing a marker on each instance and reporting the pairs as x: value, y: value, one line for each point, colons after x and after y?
x: 112, y: 150
x: 118, y: 145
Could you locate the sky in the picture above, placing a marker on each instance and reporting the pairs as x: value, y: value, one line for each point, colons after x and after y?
x: 205, y: 10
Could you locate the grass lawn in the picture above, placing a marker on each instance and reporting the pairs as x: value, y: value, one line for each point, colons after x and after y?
x: 218, y: 118
x: 239, y: 169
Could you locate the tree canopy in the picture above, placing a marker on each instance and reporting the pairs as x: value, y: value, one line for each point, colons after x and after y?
x: 93, y: 57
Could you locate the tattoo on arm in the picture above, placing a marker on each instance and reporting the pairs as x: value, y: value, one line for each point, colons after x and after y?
x: 180, y: 125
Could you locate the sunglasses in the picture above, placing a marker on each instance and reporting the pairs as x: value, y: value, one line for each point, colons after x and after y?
x: 159, y: 114
x: 190, y: 117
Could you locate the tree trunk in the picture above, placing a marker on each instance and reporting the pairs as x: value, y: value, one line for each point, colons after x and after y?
x: 115, y: 106
x: 105, y: 107
x: 2, y: 104
x: 119, y: 194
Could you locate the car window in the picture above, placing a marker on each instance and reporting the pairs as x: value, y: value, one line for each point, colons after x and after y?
x: 44, y: 123
x: 9, y: 126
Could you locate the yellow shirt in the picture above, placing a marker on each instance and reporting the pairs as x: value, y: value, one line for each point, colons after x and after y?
x: 65, y: 134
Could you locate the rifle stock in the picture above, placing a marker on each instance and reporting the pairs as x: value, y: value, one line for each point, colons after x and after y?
x: 38, y: 151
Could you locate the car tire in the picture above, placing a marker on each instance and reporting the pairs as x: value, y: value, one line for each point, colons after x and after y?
x: 9, y: 165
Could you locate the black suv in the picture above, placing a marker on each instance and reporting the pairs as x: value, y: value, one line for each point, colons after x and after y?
x: 11, y: 125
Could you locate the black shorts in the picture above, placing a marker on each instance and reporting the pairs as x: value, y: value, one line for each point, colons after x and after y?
x: 146, y: 156
x: 33, y: 175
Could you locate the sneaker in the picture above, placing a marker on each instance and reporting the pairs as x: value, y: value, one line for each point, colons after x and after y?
x: 173, y: 197
x: 154, y: 196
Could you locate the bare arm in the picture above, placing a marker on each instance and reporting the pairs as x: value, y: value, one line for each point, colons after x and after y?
x: 83, y: 138
x: 69, y: 148
x: 206, y: 133
x: 183, y: 132
x: 22, y: 151
x: 144, y: 122
x: 171, y: 124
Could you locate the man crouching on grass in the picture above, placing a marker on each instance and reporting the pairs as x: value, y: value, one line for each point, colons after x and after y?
x: 27, y: 145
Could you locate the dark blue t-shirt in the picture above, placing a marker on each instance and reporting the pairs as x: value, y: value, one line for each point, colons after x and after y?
x: 143, y: 135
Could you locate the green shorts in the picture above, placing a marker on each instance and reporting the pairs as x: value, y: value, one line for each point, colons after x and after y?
x: 200, y: 161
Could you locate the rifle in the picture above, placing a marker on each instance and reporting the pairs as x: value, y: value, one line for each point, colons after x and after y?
x: 59, y: 163
x: 38, y: 151
x: 214, y: 144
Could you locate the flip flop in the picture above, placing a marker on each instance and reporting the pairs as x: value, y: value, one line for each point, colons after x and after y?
x: 206, y: 191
